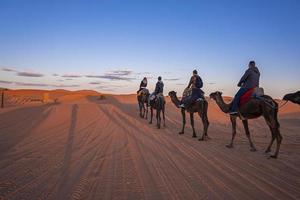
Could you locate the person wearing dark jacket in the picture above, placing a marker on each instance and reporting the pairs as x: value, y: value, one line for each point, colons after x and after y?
x: 143, y: 84
x: 249, y: 80
x: 159, y: 88
x: 196, y: 84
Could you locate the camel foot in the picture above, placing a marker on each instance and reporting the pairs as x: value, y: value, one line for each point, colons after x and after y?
x: 158, y: 127
x: 181, y: 132
x: 194, y: 136
x: 207, y: 137
x: 252, y: 149
x: 150, y: 122
x: 201, y: 139
x: 268, y: 150
x: 229, y: 146
x: 273, y: 156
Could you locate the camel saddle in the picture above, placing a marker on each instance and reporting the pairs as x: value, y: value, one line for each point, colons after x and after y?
x: 255, y: 92
x: 159, y: 95
x: 188, y: 92
x: 143, y: 91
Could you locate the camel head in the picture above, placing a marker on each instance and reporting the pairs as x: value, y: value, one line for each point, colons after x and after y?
x: 173, y: 94
x: 174, y: 98
x: 215, y: 95
x: 293, y: 97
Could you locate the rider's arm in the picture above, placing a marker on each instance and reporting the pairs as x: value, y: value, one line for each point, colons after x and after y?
x: 190, y: 83
x: 243, y: 79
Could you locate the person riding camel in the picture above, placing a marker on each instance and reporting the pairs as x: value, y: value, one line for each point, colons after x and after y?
x: 143, y: 85
x: 195, y: 84
x: 249, y: 80
x: 159, y: 89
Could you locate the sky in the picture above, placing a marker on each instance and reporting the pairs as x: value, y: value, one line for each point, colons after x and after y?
x: 109, y: 46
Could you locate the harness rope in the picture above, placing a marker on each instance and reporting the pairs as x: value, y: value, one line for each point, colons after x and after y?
x: 283, y: 104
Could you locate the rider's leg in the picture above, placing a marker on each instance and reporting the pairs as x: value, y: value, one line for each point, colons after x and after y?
x: 236, y: 100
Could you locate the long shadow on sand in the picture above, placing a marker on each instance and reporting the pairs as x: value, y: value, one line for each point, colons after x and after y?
x: 17, y: 125
x: 65, y: 170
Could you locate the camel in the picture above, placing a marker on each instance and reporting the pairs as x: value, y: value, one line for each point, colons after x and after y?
x: 199, y: 107
x: 159, y: 105
x: 293, y: 97
x: 143, y: 103
x: 264, y: 106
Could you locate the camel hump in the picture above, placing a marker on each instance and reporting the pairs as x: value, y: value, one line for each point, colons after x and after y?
x: 187, y: 92
x: 258, y: 92
x: 144, y: 91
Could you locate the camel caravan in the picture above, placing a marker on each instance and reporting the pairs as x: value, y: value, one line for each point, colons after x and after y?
x: 250, y: 102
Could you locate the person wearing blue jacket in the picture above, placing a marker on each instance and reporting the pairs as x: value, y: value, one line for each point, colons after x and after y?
x: 159, y: 88
x: 196, y: 84
x: 249, y: 80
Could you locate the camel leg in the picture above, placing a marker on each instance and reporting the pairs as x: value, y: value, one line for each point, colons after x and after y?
x: 158, y: 118
x: 272, y: 121
x: 192, y: 124
x: 203, y: 116
x: 278, y: 139
x: 272, y: 140
x: 146, y: 111
x: 183, y: 121
x: 246, y: 127
x: 163, y: 112
x: 140, y: 106
x: 151, y: 115
x: 233, y: 122
x: 205, y: 128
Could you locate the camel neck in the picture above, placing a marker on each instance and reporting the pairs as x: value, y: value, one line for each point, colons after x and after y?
x: 176, y: 101
x: 223, y: 106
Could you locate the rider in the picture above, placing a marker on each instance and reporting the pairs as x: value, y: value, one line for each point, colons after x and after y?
x: 159, y: 89
x: 143, y: 85
x: 196, y: 84
x: 249, y: 80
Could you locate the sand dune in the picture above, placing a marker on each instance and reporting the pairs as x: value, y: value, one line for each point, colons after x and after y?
x: 85, y: 148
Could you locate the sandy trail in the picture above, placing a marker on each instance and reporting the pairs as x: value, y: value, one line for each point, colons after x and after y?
x: 90, y: 149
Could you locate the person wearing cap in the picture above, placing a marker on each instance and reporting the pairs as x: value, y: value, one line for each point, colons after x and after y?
x: 196, y: 84
x: 159, y: 88
x: 249, y: 80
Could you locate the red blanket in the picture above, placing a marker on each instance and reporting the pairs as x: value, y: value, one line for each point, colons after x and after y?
x: 246, y: 97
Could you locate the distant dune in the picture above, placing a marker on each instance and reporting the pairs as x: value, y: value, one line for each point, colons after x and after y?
x: 88, y: 145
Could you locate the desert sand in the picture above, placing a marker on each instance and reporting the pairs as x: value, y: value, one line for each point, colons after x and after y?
x: 77, y: 146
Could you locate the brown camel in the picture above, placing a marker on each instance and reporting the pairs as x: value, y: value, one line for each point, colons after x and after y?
x: 143, y: 103
x: 293, y: 97
x: 158, y: 104
x: 199, y: 107
x: 264, y: 106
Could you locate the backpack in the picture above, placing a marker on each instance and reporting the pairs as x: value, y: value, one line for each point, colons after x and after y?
x: 198, y: 82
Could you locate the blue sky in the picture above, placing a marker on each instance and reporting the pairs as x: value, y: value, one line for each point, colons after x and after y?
x: 110, y: 45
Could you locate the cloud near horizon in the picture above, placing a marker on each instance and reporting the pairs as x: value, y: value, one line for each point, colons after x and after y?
x: 172, y: 79
x: 7, y: 69
x: 29, y: 74
x: 95, y: 83
x: 71, y: 76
